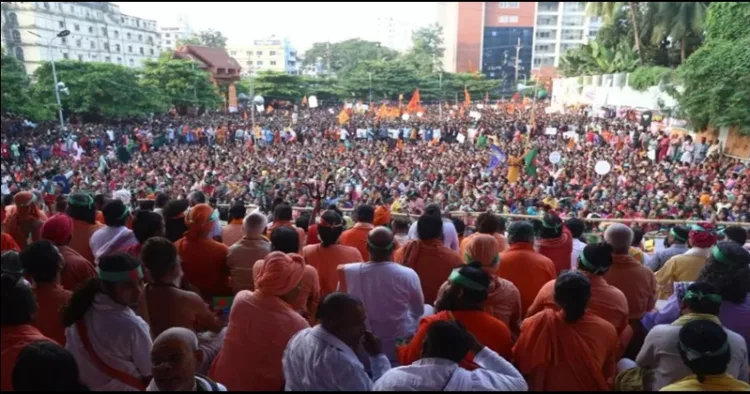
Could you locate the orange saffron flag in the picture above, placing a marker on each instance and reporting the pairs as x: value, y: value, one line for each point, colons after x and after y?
x: 467, y: 97
x: 413, y: 105
x: 304, y: 100
x: 400, y: 144
x: 343, y: 117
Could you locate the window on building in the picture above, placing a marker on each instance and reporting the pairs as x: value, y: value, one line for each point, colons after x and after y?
x: 291, y: 63
x: 142, y: 51
x: 272, y: 53
x: 167, y: 35
x: 169, y: 42
x: 233, y: 53
x: 59, y: 6
x: 259, y: 53
x: 260, y: 62
x: 72, y: 9
x: 78, y: 43
x: 138, y: 22
x: 574, y: 6
x: 66, y: 56
x: 122, y: 20
x: 93, y: 45
x: 19, y: 53
x: 128, y: 35
x: 61, y: 24
x: 46, y: 5
x: 104, y: 31
x: 548, y: 6
x: 77, y: 27
x: 573, y: 20
x: 508, y: 19
x: 106, y: 46
x: 91, y: 29
x: 273, y: 63
x: 537, y: 61
x: 107, y: 59
x: 119, y: 60
x: 13, y: 19
x: 542, y: 48
x: 140, y: 37
x: 248, y: 53
x: 117, y: 47
x: 543, y: 34
x: 117, y: 34
x: 16, y: 36
x: 130, y: 48
x: 80, y: 58
x: 572, y: 34
x: 249, y: 62
x: 547, y: 21
x: 509, y: 4
x: 64, y: 40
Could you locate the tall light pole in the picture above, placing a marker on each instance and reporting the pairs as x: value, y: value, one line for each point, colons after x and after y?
x: 370, y: 75
x: 61, y: 34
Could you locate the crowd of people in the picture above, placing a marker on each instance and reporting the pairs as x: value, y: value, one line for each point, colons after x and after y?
x: 102, y: 293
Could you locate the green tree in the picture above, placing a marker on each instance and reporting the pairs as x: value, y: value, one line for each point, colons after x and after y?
x: 680, y: 21
x: 273, y: 85
x: 716, y: 78
x: 608, y: 10
x: 344, y: 56
x: 207, y: 38
x: 98, y: 90
x: 595, y: 58
x: 16, y: 91
x: 427, y: 49
x: 181, y: 83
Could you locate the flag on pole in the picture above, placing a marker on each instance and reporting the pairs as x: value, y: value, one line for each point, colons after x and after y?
x: 497, y: 157
x: 467, y: 97
x: 304, y: 101
x: 343, y: 117
x: 530, y: 161
x: 486, y: 97
x: 413, y: 105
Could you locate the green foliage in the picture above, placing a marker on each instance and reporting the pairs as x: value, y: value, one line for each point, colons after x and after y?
x: 206, y: 38
x: 344, y: 56
x: 716, y: 78
x: 595, y: 58
x: 426, y: 54
x: 180, y: 83
x: 644, y: 77
x: 279, y: 86
x: 15, y: 88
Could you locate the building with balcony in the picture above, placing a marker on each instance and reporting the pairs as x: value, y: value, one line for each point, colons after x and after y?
x: 170, y: 35
x: 560, y: 26
x: 98, y: 32
x: 271, y: 54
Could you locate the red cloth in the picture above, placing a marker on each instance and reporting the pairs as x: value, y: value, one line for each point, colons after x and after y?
x: 558, y: 250
x: 12, y: 341
x: 77, y: 269
x: 51, y: 299
x: 312, y: 235
x: 8, y: 243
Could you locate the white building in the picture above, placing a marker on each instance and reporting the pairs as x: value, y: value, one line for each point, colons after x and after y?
x: 392, y: 33
x: 98, y: 32
x: 271, y: 54
x: 561, y: 26
x: 170, y: 35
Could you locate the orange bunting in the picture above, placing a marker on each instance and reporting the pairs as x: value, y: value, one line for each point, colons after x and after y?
x: 343, y: 117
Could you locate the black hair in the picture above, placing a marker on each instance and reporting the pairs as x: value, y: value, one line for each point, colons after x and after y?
x: 576, y: 227
x: 731, y: 277
x: 81, y: 207
x: 159, y: 255
x: 683, y: 232
x: 446, y: 339
x: 10, y: 262
x: 475, y: 272
x: 572, y: 294
x: 364, y: 213
x: 198, y: 197
x: 42, y: 261
x: 429, y: 227
x: 459, y: 225
x: 175, y: 207
x: 522, y: 231
x: 551, y: 226
x: 596, y: 258
x: 433, y: 210
x: 704, y: 348
x: 84, y: 296
x: 285, y: 239
x: 115, y: 214
x: 330, y: 235
x: 303, y: 221
x: 161, y: 200
x: 282, y: 211
x: 100, y: 200
x: 18, y: 302
x: 487, y: 223
x: 46, y: 366
x: 500, y: 224
x: 637, y: 236
x: 237, y: 211
x: 146, y: 224
x: 333, y: 304
x: 736, y: 234
x: 698, y: 298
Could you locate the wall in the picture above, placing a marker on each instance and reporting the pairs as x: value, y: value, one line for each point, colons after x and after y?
x: 469, y: 36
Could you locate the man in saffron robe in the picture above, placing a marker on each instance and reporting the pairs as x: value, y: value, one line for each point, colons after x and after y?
x: 523, y: 266
x: 8, y: 243
x: 26, y: 222
x: 432, y: 261
x: 382, y: 214
x: 556, y: 242
x: 503, y: 299
x: 76, y: 270
x: 571, y: 349
x: 487, y: 223
x: 83, y: 212
x: 356, y: 236
x: 463, y: 301
x: 282, y: 217
x: 234, y: 230
x: 203, y: 259
x: 253, y: 347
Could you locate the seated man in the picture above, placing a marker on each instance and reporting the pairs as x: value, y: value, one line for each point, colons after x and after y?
x: 323, y: 357
x: 446, y: 345
x: 169, y: 306
x: 46, y: 366
x: 175, y: 358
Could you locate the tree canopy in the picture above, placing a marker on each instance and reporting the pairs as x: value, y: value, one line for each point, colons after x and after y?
x: 181, y: 83
x: 207, y: 38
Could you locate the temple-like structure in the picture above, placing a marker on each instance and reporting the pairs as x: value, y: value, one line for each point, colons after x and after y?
x: 223, y: 68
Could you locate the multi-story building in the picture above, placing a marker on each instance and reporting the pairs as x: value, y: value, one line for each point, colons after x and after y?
x: 272, y: 54
x: 495, y: 38
x: 393, y: 33
x: 170, y: 35
x: 98, y: 32
x: 560, y: 26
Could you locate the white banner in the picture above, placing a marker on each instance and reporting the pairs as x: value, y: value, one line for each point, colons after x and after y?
x: 312, y: 102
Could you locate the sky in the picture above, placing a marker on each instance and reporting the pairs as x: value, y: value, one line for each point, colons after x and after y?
x: 303, y: 23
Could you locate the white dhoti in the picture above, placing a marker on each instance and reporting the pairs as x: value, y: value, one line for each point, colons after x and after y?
x: 210, y: 344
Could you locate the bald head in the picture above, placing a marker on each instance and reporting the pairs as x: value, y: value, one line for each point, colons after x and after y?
x: 175, y: 359
x: 620, y: 237
x: 255, y: 223
x: 380, y: 244
x: 178, y: 334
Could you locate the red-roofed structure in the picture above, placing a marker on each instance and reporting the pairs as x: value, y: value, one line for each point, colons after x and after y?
x: 223, y: 68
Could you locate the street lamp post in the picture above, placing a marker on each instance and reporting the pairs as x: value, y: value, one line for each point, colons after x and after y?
x: 61, y: 34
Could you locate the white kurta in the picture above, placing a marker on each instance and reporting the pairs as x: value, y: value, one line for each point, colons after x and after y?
x: 450, y: 237
x: 119, y: 337
x: 315, y: 360
x: 435, y: 374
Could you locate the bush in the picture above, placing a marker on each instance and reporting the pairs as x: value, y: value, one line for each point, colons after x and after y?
x: 645, y: 77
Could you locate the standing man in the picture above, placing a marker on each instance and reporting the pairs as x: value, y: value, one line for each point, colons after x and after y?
x: 450, y: 237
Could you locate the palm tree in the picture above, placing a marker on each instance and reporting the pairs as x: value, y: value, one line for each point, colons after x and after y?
x: 608, y: 10
x: 679, y: 21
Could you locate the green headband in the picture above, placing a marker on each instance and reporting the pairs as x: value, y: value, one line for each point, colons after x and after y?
x: 586, y: 263
x: 124, y: 214
x: 698, y: 296
x: 376, y: 247
x: 693, y: 354
x: 677, y: 236
x: 552, y: 226
x: 494, y: 262
x: 133, y: 275
x: 458, y: 279
x: 89, y: 203
x: 718, y: 256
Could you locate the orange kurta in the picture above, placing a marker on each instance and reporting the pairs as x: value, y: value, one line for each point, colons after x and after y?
x: 8, y: 243
x: 356, y: 237
x: 260, y: 326
x: 50, y: 300
x: 502, y: 243
x: 557, y: 355
x: 308, y: 297
x: 488, y: 330
x: 77, y: 269
x: 82, y: 232
x: 286, y: 223
x: 204, y: 262
x: 326, y: 260
x: 433, y: 263
x: 12, y: 341
x: 382, y: 215
x: 558, y: 250
x: 527, y: 270
x: 636, y: 282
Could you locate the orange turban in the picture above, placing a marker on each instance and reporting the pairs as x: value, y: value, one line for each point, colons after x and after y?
x: 25, y: 206
x: 58, y: 229
x: 279, y: 273
x: 382, y: 216
x: 199, y: 222
x: 483, y: 248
